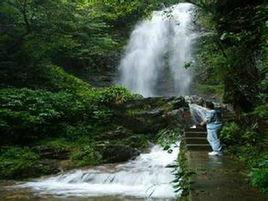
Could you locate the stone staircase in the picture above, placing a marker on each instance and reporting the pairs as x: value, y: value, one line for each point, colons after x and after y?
x: 196, y: 138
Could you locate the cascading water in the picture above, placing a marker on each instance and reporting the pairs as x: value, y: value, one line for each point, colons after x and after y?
x: 146, y: 178
x: 157, y: 52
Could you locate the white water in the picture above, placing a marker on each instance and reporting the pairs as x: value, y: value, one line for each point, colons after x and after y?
x: 145, y: 177
x: 156, y: 54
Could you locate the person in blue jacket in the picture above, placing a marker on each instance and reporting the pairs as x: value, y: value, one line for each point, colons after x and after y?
x: 213, y: 123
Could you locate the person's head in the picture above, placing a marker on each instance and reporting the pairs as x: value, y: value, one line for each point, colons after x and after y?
x: 209, y: 105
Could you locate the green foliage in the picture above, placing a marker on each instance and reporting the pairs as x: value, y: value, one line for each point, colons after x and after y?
x: 233, y: 134
x: 116, y: 94
x: 230, y: 133
x: 246, y: 144
x: 62, y: 32
x: 261, y: 111
x: 56, y: 144
x: 166, y: 137
x: 259, y: 175
x: 31, y: 114
x: 233, y: 52
x: 15, y: 162
x: 72, y: 34
x: 212, y: 90
x: 182, y: 175
x: 82, y: 133
x: 125, y: 12
x: 86, y: 155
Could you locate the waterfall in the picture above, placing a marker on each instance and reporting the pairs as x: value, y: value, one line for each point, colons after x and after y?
x: 157, y: 51
x: 146, y: 178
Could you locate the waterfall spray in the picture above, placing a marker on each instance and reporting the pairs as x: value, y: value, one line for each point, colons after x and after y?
x: 158, y: 49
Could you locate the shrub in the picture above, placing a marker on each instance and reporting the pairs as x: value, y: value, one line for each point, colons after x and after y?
x: 230, y: 133
x: 30, y: 114
x: 262, y: 111
x: 259, y: 176
x: 233, y: 134
x: 86, y: 155
x: 166, y: 137
x: 116, y: 94
x: 18, y: 162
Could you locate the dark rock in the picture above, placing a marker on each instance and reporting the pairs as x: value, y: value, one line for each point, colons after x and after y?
x: 119, y: 153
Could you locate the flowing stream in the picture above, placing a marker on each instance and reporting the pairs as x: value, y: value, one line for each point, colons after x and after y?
x: 145, y: 178
x: 157, y: 53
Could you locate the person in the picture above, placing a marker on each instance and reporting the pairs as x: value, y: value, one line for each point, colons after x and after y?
x: 213, y: 123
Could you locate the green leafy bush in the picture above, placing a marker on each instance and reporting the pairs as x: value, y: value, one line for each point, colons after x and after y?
x: 16, y: 162
x: 86, y: 155
x: 262, y: 111
x: 233, y: 134
x: 166, y: 137
x: 259, y: 176
x: 116, y: 94
x: 30, y: 114
x: 56, y: 144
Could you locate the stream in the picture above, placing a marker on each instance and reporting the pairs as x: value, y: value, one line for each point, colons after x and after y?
x: 145, y: 178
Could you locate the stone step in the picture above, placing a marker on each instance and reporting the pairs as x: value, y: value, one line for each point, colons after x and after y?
x: 195, y: 134
x: 196, y: 140
x: 198, y: 147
